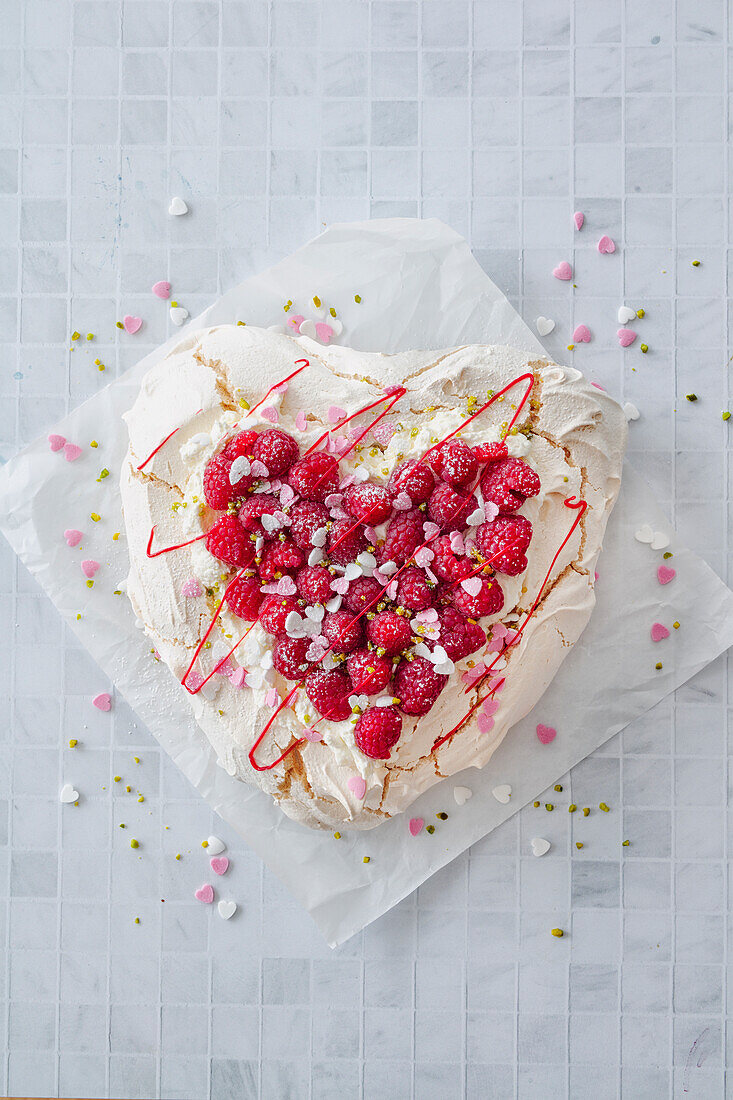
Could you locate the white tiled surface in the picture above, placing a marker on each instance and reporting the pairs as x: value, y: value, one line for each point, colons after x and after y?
x: 271, y: 119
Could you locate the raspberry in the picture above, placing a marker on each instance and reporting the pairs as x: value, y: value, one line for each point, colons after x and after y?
x: 448, y: 508
x: 390, y: 632
x: 377, y: 732
x: 458, y: 636
x: 447, y: 565
x: 369, y: 673
x: 414, y: 478
x: 329, y: 693
x: 346, y: 540
x: 363, y: 593
x: 417, y: 685
x: 305, y: 518
x: 244, y: 597
x: 288, y: 657
x: 276, y: 450
x: 242, y: 444
x: 280, y: 557
x: 508, y: 483
x: 261, y: 504
x: 403, y: 536
x: 491, y: 452
x: 217, y: 490
x: 489, y: 599
x: 504, y: 542
x: 314, y: 584
x: 273, y: 613
x: 228, y: 541
x: 315, y: 476
x: 459, y: 463
x: 368, y: 501
x: 342, y: 631
x: 413, y: 590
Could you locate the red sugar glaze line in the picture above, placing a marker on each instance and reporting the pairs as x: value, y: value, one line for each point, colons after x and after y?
x: 306, y: 363
x: 200, y: 646
x: 570, y: 502
x: 168, y: 549
x: 258, y: 742
x: 154, y: 452
x: 391, y: 400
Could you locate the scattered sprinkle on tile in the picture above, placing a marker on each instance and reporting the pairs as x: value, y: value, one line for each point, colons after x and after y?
x: 557, y: 932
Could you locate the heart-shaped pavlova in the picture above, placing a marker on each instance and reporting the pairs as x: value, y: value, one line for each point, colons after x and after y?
x: 363, y: 569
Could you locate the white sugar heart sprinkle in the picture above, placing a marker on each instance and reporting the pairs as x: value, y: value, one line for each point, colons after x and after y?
x: 315, y: 556
x: 645, y: 533
x: 239, y: 469
x: 430, y: 530
x: 259, y: 469
x: 625, y: 315
x: 462, y: 795
x: 352, y: 571
x: 402, y: 502
x: 215, y: 846
x: 660, y: 541
x: 226, y: 909
x: 315, y: 613
x: 540, y: 846
x: 502, y: 793
x: 471, y: 585
x: 177, y: 206
x: 477, y: 517
x: 308, y: 328
x: 178, y: 314
x: 335, y: 603
x: 544, y: 325
x: 68, y: 794
x: 318, y: 538
x: 270, y: 523
x: 388, y: 568
x: 630, y: 411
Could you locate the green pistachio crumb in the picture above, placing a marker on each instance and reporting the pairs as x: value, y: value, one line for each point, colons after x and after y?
x: 691, y: 396
x: 586, y: 811
x: 557, y: 932
x: 695, y: 263
x: 558, y: 786
x: 658, y: 665
x: 644, y: 348
x: 366, y: 859
x: 337, y: 836
x: 624, y: 843
x: 134, y: 843
x: 442, y: 816
x: 604, y: 807
x: 725, y: 415
x: 572, y: 808
x: 549, y: 806
x: 430, y: 829
x: 535, y: 804
x: 578, y: 844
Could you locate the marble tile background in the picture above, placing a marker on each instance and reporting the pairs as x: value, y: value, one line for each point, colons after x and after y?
x: 272, y: 119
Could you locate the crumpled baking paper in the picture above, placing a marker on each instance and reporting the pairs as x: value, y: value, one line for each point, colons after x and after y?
x: 420, y: 287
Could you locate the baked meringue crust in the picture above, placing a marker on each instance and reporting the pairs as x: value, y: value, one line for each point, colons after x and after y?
x: 574, y: 436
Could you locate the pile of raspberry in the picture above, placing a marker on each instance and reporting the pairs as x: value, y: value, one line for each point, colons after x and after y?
x: 285, y: 517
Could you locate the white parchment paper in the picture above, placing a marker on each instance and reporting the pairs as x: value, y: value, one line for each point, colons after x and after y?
x: 420, y: 287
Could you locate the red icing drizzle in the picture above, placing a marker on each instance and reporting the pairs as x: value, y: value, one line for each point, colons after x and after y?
x: 569, y: 502
x: 391, y: 400
x: 154, y: 452
x: 168, y: 549
x: 305, y: 362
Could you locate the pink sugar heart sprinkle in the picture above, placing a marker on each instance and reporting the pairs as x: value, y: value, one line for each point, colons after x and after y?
x: 485, y: 723
x: 56, y: 442
x: 161, y: 289
x: 71, y: 452
x: 300, y: 421
x: 665, y: 574
x: 383, y: 432
x: 490, y: 706
x: 296, y: 320
x: 606, y: 245
x: 579, y: 219
x: 132, y: 324
x: 103, y: 701
x: 357, y: 784
x: 545, y: 734
x: 659, y: 632
x: 219, y: 865
x: 563, y: 271
x: 72, y: 536
x: 626, y: 337
x: 335, y: 413
x: 271, y: 697
x: 312, y: 735
x: 270, y: 413
x: 581, y: 334
x: 237, y: 677
x: 415, y: 825
x: 191, y: 587
x: 324, y: 332
x: 89, y: 567
x: 205, y: 894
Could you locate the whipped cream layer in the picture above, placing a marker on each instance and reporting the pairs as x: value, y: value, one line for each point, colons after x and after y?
x: 573, y: 435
